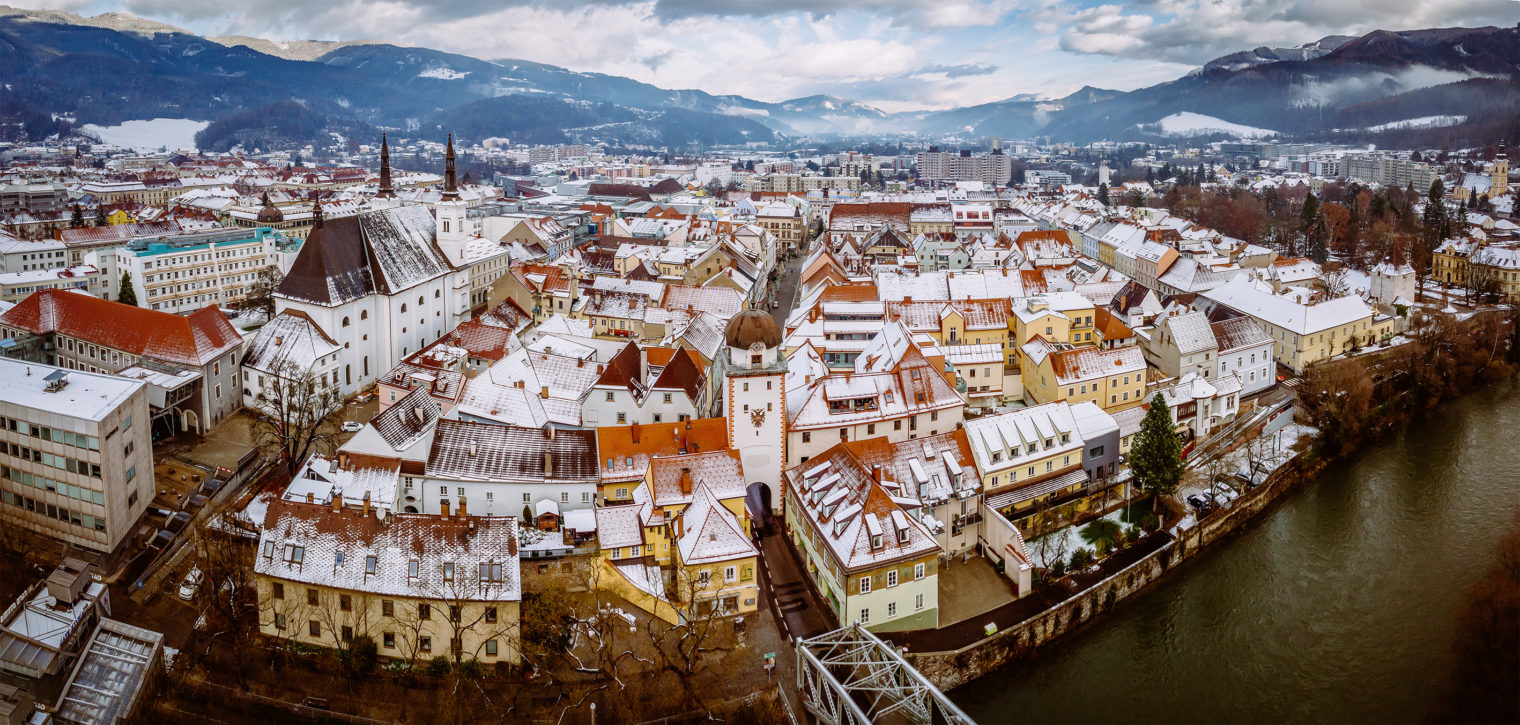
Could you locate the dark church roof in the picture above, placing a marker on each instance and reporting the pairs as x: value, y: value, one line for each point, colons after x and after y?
x: 384, y: 252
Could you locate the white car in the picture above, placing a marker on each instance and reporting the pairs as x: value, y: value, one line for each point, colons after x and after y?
x: 351, y: 426
x: 191, y: 585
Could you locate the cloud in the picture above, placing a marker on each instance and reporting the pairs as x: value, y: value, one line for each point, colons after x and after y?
x: 959, y: 70
x: 1196, y: 31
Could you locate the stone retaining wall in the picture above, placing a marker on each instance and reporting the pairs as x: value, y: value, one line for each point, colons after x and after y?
x: 954, y: 668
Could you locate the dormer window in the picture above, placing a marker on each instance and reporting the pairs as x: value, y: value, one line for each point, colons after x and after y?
x: 295, y: 554
x: 1065, y: 437
x: 269, y: 550
x: 413, y: 569
x: 448, y: 571
x: 996, y: 456
x: 902, y: 536
x: 369, y: 565
x: 876, y: 542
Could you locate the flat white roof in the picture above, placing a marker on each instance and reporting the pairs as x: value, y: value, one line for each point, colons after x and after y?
x: 89, y: 396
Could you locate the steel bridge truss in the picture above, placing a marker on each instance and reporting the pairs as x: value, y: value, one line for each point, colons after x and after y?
x: 851, y: 677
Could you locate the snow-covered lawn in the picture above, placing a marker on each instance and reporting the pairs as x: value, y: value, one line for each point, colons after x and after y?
x: 171, y: 133
x: 1188, y: 123
x: 1421, y: 122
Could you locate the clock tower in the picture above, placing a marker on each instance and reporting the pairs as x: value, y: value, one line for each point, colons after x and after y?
x: 754, y: 379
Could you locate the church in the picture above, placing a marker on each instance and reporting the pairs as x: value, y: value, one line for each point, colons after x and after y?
x: 366, y: 291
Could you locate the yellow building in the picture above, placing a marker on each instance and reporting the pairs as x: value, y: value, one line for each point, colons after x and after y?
x: 421, y: 586
x: 1028, y: 456
x: 1303, y: 334
x: 1056, y: 317
x: 873, y: 561
x: 1113, y: 378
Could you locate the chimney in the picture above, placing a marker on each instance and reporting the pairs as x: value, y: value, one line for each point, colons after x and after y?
x: 876, y: 473
x: 417, y: 412
x: 337, y: 500
x: 634, y: 431
x: 472, y: 449
x: 685, y: 481
x: 548, y: 464
x: 443, y: 507
x: 680, y: 524
x: 549, y: 431
x: 544, y: 392
x: 366, y: 503
x: 310, y: 498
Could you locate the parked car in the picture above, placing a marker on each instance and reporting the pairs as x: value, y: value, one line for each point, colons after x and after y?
x: 1244, y: 479
x: 1198, y: 501
x: 352, y: 426
x: 192, y: 584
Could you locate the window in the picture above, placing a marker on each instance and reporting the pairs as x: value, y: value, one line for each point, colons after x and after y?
x: 525, y: 497
x: 348, y: 633
x: 865, y: 585
x: 892, y: 578
x: 455, y: 613
x: 491, y: 612
x: 277, y: 590
x: 279, y: 622
x: 369, y: 565
x: 311, y: 596
x: 345, y: 602
x: 865, y: 615
x: 891, y: 609
x: 387, y: 608
x: 807, y: 437
x: 564, y: 497
x: 490, y: 648
x: 730, y: 574
x: 667, y: 398
x: 389, y: 639
x: 918, y: 602
x: 918, y: 571
x: 424, y: 611
x: 314, y: 627
x: 413, y: 568
x: 609, y: 396
x: 448, y: 571
x: 425, y: 644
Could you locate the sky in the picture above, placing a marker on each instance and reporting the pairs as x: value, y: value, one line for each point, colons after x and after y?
x: 896, y: 55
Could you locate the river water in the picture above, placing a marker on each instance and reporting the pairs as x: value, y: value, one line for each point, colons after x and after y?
x: 1339, y: 605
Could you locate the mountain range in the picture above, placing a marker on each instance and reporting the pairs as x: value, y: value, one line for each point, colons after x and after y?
x: 1435, y: 86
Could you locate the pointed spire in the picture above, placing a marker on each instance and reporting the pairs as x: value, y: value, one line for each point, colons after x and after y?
x: 264, y: 200
x: 316, y: 214
x: 385, y: 170
x: 450, y: 189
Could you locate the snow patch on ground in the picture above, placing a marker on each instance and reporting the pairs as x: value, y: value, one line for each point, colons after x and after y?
x: 1187, y: 123
x: 447, y: 74
x: 743, y: 112
x: 1421, y: 122
x: 150, y: 135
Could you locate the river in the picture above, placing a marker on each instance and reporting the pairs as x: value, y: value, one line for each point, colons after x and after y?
x: 1338, y: 606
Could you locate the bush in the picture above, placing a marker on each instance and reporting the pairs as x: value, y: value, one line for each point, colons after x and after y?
x: 1058, y: 568
x: 1081, y: 558
x: 362, y: 654
x: 438, y: 666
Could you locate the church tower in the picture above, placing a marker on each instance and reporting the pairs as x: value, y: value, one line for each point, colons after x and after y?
x: 1498, y: 185
x: 450, y: 210
x: 754, y: 399
x: 385, y: 192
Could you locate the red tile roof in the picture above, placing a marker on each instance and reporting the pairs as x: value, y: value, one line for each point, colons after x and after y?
x: 191, y: 340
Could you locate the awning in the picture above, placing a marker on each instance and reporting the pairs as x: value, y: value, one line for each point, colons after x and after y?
x: 1037, y: 489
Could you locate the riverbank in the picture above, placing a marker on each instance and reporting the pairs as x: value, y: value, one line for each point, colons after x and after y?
x: 1356, y: 424
x: 1340, y: 605
x: 1139, y: 568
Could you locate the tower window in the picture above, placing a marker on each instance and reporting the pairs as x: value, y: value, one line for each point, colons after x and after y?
x: 754, y: 359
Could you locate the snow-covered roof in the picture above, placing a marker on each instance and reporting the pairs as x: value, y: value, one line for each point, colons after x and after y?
x: 1242, y: 296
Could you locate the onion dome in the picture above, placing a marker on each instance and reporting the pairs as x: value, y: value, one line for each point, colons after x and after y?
x: 751, y: 326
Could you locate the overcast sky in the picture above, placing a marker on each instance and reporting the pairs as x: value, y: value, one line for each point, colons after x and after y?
x: 895, y: 54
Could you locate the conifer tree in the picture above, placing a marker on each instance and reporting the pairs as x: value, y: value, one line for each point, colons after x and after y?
x: 76, y: 219
x: 1156, y: 458
x: 127, y: 295
x: 1103, y: 194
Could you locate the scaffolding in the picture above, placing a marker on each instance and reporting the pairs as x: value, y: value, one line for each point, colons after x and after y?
x: 850, y: 676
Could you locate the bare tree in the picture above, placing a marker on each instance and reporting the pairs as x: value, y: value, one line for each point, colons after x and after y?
x: 259, y: 295
x: 296, y: 411
x: 224, y: 554
x: 1337, y: 284
x: 1482, y: 282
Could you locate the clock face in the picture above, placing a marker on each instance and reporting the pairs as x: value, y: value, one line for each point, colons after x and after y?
x: 757, y: 346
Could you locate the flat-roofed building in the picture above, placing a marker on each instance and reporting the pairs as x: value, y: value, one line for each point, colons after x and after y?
x: 76, y: 460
